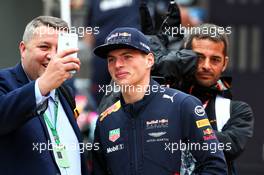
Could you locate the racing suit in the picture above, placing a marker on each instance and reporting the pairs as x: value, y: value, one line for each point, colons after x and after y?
x: 237, y: 128
x: 148, y: 136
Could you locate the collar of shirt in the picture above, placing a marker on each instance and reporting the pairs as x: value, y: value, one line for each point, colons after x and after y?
x: 52, y: 95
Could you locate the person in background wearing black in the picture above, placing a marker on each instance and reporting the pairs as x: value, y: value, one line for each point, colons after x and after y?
x: 232, y: 120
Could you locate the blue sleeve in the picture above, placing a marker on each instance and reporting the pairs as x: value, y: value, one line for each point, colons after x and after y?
x: 16, y: 105
x: 200, y: 139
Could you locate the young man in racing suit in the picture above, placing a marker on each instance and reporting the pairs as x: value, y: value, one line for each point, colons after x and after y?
x: 146, y: 130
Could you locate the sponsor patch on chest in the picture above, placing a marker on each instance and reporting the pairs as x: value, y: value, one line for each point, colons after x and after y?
x: 114, y: 134
x: 115, y: 148
x: 158, y: 123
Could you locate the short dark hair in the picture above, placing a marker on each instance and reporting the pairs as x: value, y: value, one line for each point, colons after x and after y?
x: 204, y: 31
x: 48, y: 21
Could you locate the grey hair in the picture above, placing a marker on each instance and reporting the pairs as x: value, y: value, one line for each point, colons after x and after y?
x: 48, y: 21
x: 207, y: 31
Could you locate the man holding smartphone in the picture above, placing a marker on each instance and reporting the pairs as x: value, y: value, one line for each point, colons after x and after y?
x: 39, y: 134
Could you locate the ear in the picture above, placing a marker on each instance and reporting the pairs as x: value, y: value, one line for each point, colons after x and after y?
x: 22, y: 49
x: 226, y: 61
x: 149, y: 60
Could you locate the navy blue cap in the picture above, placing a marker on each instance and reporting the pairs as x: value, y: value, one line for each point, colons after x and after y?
x: 123, y: 37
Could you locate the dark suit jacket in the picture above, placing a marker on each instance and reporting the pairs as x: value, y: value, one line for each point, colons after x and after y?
x: 21, y: 128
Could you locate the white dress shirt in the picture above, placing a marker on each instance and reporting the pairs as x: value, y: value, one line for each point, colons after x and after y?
x: 65, y: 131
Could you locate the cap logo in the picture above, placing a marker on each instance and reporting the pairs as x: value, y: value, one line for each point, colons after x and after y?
x: 112, y: 36
x: 123, y: 37
x: 124, y: 34
x: 144, y: 45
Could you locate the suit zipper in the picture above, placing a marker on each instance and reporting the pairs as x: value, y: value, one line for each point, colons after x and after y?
x: 135, y: 145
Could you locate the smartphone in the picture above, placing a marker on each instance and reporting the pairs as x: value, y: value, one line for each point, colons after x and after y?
x: 68, y: 41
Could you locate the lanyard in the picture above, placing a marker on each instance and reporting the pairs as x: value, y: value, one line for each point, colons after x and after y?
x: 48, y: 122
x: 59, y: 150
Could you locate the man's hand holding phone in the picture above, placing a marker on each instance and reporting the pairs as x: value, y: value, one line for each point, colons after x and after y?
x: 68, y: 41
x: 62, y: 64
